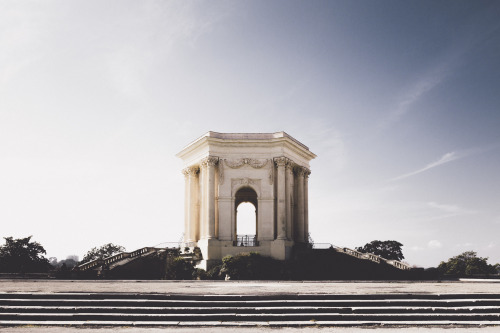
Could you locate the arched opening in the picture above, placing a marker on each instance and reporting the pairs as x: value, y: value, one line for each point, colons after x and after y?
x: 246, y: 217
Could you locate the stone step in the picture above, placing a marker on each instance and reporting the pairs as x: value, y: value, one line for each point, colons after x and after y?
x: 243, y: 297
x: 252, y: 303
x: 252, y: 324
x: 242, y: 309
x: 238, y: 310
x: 246, y: 317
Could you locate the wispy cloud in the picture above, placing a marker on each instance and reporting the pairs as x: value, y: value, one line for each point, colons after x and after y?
x: 446, y: 158
x: 434, y: 244
x: 417, y: 91
x: 450, y: 157
x: 449, y: 210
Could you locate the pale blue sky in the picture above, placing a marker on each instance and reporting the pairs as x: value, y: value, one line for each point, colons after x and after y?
x: 400, y: 100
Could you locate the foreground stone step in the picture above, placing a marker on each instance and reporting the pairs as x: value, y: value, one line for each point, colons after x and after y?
x: 252, y: 324
x: 284, y: 297
x: 268, y: 310
x: 244, y: 309
x: 460, y: 317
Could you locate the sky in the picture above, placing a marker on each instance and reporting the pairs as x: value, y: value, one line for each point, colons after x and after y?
x: 399, y: 100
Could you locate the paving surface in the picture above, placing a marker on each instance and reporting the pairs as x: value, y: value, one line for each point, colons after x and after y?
x: 247, y: 287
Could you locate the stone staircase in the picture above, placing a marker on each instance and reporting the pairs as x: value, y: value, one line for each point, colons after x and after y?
x: 124, y: 309
x: 363, y: 256
x: 115, y: 260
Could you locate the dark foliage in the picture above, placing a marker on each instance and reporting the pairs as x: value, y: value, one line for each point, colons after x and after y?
x: 467, y: 264
x: 390, y: 250
x: 178, y: 268
x: 251, y: 266
x: 22, y: 256
x: 215, y: 273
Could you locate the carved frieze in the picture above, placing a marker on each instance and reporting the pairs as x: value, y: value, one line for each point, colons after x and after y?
x: 244, y: 181
x: 236, y: 164
x: 254, y: 163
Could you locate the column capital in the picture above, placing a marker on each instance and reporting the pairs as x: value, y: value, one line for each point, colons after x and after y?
x: 190, y: 171
x: 300, y: 170
x: 289, y: 165
x: 307, y: 172
x: 281, y: 161
x: 209, y: 161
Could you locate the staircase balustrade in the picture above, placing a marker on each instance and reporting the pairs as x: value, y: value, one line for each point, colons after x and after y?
x: 360, y: 255
x: 372, y: 257
x: 399, y: 264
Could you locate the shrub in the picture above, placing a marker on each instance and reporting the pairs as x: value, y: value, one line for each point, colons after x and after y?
x: 251, y: 266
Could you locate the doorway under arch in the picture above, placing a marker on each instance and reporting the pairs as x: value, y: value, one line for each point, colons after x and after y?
x: 246, y: 208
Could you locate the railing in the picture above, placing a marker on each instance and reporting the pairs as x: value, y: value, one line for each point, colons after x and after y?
x: 360, y: 255
x: 246, y: 240
x: 372, y: 257
x: 90, y: 264
x: 114, y: 258
x: 142, y: 251
x: 353, y: 253
x: 399, y: 264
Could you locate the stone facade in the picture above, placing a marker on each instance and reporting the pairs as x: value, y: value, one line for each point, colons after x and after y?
x: 222, y: 170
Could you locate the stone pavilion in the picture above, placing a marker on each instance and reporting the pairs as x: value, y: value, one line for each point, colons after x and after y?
x: 223, y: 170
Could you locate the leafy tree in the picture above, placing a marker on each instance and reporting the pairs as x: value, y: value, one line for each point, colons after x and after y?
x: 22, y: 256
x: 390, y: 250
x: 467, y: 263
x: 107, y: 250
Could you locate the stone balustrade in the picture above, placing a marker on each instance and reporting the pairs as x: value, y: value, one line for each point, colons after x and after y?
x: 372, y: 257
x: 117, y: 257
x: 399, y: 264
x: 353, y: 253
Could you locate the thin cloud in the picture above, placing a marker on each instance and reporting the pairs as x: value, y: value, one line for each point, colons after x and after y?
x: 417, y: 91
x: 434, y: 244
x: 446, y: 158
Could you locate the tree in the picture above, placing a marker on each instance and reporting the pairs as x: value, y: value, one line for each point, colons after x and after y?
x: 466, y: 264
x: 22, y: 256
x: 390, y: 250
x: 107, y: 250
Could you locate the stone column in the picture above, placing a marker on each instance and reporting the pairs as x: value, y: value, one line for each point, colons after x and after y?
x: 203, y: 200
x: 306, y: 204
x: 281, y: 197
x: 192, y: 205
x: 289, y: 201
x: 185, y: 172
x: 299, y: 233
x: 211, y: 162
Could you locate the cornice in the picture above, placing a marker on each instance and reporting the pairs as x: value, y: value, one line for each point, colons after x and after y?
x: 247, y: 139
